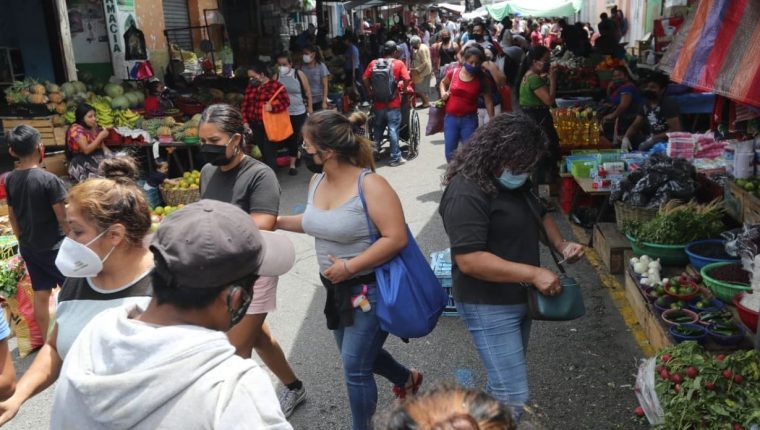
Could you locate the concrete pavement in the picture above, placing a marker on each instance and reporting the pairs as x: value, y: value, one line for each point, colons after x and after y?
x: 581, y: 372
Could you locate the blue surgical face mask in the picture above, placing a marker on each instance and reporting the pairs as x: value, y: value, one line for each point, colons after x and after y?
x: 511, y: 181
x: 473, y: 70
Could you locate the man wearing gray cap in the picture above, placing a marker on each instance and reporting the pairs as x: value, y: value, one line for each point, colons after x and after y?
x: 171, y: 366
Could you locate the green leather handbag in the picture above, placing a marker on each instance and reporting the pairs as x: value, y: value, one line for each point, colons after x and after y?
x: 565, y: 306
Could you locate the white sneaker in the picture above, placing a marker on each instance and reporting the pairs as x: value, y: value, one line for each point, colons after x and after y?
x: 398, y: 162
x: 290, y: 399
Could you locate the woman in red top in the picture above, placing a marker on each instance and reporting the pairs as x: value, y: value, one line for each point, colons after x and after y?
x: 460, y: 89
x: 257, y: 100
x: 84, y: 144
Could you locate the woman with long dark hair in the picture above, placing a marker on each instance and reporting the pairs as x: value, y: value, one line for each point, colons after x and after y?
x: 491, y: 217
x: 338, y: 221
x: 85, y: 147
x: 538, y: 90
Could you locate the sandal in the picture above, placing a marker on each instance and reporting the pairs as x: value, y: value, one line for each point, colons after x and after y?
x: 411, y: 388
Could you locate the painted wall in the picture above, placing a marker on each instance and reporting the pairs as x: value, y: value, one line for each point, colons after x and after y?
x: 23, y: 26
x: 150, y: 20
x: 89, y: 38
x: 196, y: 8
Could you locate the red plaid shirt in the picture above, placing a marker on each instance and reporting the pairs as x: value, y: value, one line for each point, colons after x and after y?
x: 257, y: 96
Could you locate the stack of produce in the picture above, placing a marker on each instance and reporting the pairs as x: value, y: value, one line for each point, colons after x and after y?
x: 685, y: 387
x: 659, y: 180
x: 679, y: 223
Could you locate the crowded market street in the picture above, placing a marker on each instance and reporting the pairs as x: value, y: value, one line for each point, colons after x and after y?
x: 581, y: 372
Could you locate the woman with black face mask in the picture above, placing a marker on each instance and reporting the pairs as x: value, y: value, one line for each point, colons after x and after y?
x: 447, y: 51
x: 339, y: 222
x: 537, y: 93
x: 234, y: 177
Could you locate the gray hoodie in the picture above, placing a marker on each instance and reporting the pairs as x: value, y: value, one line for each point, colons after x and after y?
x: 125, y: 374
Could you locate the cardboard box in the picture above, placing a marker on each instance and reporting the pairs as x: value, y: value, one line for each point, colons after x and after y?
x: 733, y: 200
x: 751, y: 209
x: 611, y: 246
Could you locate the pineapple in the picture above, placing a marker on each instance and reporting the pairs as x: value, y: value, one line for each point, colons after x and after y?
x: 164, y: 131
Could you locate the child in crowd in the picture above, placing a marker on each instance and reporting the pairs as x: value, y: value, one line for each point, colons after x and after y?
x: 158, y: 176
x: 448, y: 407
x: 37, y: 212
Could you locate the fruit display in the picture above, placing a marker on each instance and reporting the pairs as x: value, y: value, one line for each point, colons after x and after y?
x: 679, y: 223
x: 698, y: 390
x: 188, y: 181
x: 158, y: 214
x: 576, y: 126
x: 750, y: 185
x: 609, y: 64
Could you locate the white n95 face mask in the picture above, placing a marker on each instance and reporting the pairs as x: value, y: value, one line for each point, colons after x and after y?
x: 76, y: 260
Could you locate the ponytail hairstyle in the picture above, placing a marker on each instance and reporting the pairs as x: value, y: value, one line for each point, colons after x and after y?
x: 448, y: 407
x: 121, y: 168
x: 328, y: 129
x: 226, y: 118
x: 535, y: 53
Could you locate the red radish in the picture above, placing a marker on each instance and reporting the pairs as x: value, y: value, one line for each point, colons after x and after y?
x: 692, y: 372
x: 666, y: 357
x: 677, y: 388
x: 676, y: 378
x: 738, y: 379
x: 639, y: 411
x: 720, y: 357
x: 664, y: 374
x: 710, y: 386
x: 738, y: 426
x: 727, y: 374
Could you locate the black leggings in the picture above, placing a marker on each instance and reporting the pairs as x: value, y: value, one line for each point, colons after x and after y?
x: 294, y: 141
x: 268, y: 149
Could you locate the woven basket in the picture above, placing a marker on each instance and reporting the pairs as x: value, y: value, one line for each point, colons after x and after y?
x: 625, y: 213
x: 179, y: 197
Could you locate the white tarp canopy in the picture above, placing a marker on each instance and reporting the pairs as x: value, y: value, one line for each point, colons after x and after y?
x: 363, y: 4
x: 543, y: 8
x: 480, y: 12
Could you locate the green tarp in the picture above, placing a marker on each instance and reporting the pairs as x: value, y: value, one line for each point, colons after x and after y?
x: 543, y: 8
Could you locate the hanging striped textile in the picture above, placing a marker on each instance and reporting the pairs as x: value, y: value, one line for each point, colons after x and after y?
x: 718, y: 49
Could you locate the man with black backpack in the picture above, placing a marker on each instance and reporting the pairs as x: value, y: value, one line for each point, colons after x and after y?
x: 382, y: 79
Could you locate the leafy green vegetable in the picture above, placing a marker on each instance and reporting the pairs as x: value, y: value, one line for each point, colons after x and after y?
x: 10, y: 273
x: 716, y: 393
x: 679, y: 226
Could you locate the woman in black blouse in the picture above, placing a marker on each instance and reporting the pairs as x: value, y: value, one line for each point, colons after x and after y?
x: 491, y: 217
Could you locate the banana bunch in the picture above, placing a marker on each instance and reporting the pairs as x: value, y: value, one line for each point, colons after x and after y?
x: 125, y: 118
x: 103, y: 113
x: 69, y: 117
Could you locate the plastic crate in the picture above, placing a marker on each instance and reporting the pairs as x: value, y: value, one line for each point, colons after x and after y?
x: 440, y: 262
x: 583, y: 168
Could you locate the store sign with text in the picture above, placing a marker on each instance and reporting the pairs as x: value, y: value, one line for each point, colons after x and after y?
x: 119, y: 16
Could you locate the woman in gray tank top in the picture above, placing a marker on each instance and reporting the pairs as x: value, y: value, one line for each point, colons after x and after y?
x: 347, y: 254
x: 297, y: 85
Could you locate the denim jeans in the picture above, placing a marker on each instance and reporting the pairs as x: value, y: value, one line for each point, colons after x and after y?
x: 362, y: 354
x: 456, y: 130
x: 500, y: 334
x: 391, y: 118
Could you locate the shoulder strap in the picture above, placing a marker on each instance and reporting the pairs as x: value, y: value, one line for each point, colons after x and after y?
x: 372, y: 231
x: 276, y: 92
x: 542, y: 229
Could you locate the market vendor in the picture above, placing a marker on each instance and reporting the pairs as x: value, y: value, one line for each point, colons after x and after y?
x: 622, y: 104
x: 85, y: 147
x: 157, y: 100
x: 657, y: 116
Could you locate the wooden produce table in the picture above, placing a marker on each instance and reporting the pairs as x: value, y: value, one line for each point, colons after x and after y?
x: 50, y: 134
x: 171, y: 148
x: 654, y: 327
x: 585, y: 184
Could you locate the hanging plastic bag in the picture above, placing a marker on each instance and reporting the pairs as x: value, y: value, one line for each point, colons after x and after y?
x: 145, y: 70
x: 21, y: 317
x: 645, y: 392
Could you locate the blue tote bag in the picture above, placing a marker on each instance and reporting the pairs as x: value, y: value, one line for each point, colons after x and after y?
x: 410, y: 298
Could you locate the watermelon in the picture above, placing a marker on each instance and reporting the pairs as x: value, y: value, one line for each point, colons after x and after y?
x: 133, y: 98
x: 80, y: 87
x: 113, y: 90
x: 68, y: 89
x: 120, y: 102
